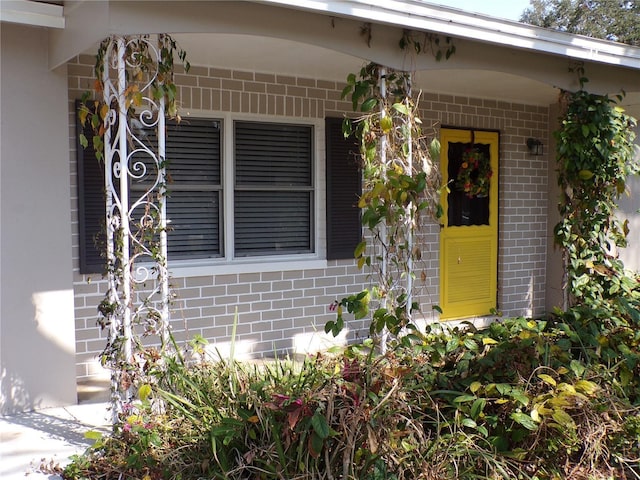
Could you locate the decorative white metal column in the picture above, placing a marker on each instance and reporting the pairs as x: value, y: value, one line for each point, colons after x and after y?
x: 410, y: 211
x: 137, y: 301
x: 382, y: 80
x: 396, y: 288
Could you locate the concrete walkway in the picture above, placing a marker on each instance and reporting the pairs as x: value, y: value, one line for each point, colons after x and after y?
x: 51, y: 435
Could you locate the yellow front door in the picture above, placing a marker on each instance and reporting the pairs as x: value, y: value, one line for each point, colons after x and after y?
x: 469, y: 226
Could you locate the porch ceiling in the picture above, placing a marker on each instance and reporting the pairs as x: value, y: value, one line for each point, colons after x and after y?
x: 322, y: 39
x: 287, y: 57
x: 272, y: 55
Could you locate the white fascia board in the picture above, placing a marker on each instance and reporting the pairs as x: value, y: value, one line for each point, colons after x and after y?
x: 32, y: 13
x: 482, y: 28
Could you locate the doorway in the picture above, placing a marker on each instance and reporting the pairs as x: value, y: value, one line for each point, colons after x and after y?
x: 469, y: 225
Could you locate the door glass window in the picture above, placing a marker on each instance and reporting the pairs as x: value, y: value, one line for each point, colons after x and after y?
x: 468, y: 199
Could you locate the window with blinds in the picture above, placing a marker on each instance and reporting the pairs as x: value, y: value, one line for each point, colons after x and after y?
x: 273, y: 192
x: 194, y: 186
x: 194, y: 207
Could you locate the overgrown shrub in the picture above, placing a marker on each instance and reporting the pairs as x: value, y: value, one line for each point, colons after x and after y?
x: 595, y: 156
x: 532, y: 399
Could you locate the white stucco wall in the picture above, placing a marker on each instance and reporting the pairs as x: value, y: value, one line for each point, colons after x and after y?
x: 37, y: 331
x: 630, y: 210
x: 555, y: 269
x: 629, y: 206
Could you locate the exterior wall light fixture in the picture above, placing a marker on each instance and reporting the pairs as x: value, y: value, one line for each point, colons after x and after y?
x: 535, y: 146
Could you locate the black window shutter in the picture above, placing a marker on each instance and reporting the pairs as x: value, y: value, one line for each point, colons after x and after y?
x: 91, y: 202
x: 344, y: 187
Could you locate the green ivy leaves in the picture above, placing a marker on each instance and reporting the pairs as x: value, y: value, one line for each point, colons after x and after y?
x: 400, y: 190
x: 595, y: 156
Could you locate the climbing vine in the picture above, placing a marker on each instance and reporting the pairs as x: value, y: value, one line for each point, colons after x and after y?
x: 400, y: 192
x: 418, y: 42
x: 427, y: 42
x: 595, y: 156
x: 401, y: 185
x: 148, y: 67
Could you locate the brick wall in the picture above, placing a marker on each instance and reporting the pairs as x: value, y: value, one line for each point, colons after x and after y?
x: 277, y: 303
x: 523, y: 192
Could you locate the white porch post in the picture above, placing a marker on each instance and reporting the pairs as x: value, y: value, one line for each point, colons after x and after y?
x: 122, y: 171
x: 111, y: 223
x: 163, y: 274
x: 410, y: 207
x: 383, y: 225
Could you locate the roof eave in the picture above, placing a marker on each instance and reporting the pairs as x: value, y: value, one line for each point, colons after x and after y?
x: 457, y: 23
x: 32, y: 13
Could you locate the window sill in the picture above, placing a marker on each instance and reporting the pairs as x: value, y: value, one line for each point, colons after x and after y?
x: 199, y: 269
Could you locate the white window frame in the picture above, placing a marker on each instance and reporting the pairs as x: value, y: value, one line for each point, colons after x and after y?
x: 227, y: 263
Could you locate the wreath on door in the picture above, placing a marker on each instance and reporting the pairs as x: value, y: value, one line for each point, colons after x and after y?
x: 474, y: 175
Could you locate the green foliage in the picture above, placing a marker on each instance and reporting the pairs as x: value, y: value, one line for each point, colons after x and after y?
x: 358, y: 305
x: 427, y: 42
x: 617, y: 20
x: 400, y: 192
x: 529, y: 399
x: 401, y: 187
x: 144, y: 66
x: 595, y: 154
